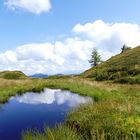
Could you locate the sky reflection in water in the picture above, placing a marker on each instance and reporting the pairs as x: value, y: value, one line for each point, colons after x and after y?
x: 33, y: 110
x: 49, y: 96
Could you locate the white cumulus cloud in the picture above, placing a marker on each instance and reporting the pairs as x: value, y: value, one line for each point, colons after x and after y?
x: 72, y: 54
x: 110, y: 36
x: 60, y: 57
x: 33, y: 6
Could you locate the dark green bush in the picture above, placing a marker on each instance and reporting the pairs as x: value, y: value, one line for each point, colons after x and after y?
x: 122, y: 80
x: 118, y: 75
x: 129, y: 80
x: 136, y: 71
x: 101, y: 75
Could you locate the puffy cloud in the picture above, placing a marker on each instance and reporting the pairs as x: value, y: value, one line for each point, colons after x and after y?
x: 60, y: 57
x: 110, y: 36
x: 72, y: 54
x: 33, y: 6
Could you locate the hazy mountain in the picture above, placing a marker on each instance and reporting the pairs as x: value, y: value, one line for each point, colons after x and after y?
x: 39, y: 75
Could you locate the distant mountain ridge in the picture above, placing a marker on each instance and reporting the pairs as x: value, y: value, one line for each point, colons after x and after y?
x: 39, y: 75
x: 122, y: 68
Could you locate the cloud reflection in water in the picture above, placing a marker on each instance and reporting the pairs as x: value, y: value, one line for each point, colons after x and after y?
x: 50, y: 96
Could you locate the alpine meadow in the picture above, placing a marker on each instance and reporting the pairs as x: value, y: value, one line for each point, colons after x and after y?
x: 69, y: 70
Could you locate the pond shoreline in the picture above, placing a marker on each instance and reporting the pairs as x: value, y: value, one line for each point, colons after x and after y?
x: 117, y: 103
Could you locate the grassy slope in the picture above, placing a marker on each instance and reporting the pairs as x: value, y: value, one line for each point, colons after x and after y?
x: 12, y: 75
x: 124, y: 68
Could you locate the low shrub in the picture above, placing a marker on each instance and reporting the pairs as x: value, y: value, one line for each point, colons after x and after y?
x: 128, y: 80
x: 118, y: 75
x: 101, y: 75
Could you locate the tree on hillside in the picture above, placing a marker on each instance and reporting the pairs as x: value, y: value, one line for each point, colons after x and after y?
x: 125, y: 48
x: 95, y: 58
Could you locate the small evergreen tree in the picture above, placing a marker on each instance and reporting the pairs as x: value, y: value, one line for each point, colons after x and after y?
x: 125, y: 48
x: 95, y: 58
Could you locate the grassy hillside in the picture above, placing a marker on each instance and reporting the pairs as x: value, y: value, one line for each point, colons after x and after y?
x: 12, y: 75
x: 123, y: 68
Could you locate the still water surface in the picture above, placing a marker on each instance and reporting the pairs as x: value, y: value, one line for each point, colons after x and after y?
x: 34, y: 110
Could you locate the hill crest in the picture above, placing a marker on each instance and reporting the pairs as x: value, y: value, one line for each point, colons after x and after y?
x: 12, y: 75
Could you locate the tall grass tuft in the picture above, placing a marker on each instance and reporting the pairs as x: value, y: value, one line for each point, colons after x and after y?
x: 60, y: 132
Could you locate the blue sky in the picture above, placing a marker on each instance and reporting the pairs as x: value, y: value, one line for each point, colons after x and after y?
x: 21, y: 27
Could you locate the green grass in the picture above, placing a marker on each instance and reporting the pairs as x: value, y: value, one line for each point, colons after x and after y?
x: 80, y: 86
x: 122, y: 68
x: 106, y: 120
x: 10, y: 88
x: 60, y: 132
x: 114, y: 115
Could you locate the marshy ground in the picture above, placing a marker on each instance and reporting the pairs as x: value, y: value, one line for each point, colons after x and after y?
x: 114, y: 114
